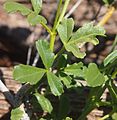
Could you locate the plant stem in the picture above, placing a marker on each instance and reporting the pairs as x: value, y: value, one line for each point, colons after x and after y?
x: 86, y: 111
x: 75, y: 6
x: 47, y: 28
x: 114, y: 44
x: 107, y: 16
x: 60, y: 52
x: 105, y: 117
x: 53, y: 34
x: 114, y: 74
x: 113, y: 97
x: 57, y: 22
x: 94, y: 97
x: 110, y: 86
x: 103, y: 103
x: 57, y: 14
x: 63, y: 12
x: 52, y: 40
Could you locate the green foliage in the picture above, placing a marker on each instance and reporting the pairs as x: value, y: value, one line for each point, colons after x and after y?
x: 37, y: 5
x: 66, y: 79
x: 26, y: 73
x: 34, y: 19
x: 64, y: 107
x: 44, y: 102
x: 87, y: 33
x: 42, y: 119
x: 62, y: 62
x: 114, y: 116
x: 108, y: 2
x: 55, y: 84
x: 58, y: 73
x: 110, y: 58
x: 113, y: 93
x: 32, y: 16
x: 75, y: 69
x: 46, y: 55
x: 16, y: 114
x: 14, y: 7
x: 93, y: 76
x: 65, y: 30
x: 68, y: 118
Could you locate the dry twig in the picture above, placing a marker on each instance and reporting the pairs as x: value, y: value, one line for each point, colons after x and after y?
x: 75, y: 6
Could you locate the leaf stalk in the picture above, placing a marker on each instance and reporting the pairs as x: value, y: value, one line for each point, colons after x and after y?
x: 57, y: 22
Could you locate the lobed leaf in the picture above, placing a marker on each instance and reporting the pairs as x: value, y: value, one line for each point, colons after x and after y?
x: 14, y: 7
x: 65, y: 29
x: 35, y: 19
x: 110, y: 58
x: 66, y: 79
x: 16, y: 114
x: 75, y: 50
x: 46, y: 55
x: 44, y: 102
x: 26, y: 73
x: 93, y: 76
x: 87, y: 33
x: 37, y: 5
x: 74, y: 69
x: 55, y: 84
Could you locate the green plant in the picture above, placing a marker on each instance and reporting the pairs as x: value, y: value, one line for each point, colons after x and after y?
x: 97, y: 78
